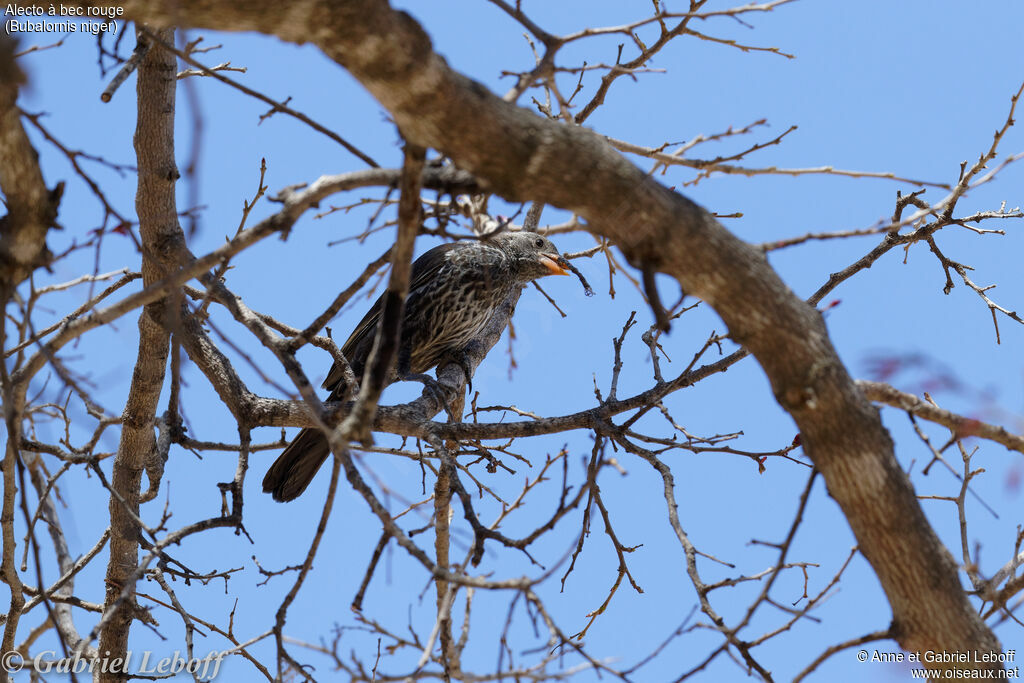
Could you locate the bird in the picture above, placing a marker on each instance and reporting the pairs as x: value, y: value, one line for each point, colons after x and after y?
x: 454, y: 289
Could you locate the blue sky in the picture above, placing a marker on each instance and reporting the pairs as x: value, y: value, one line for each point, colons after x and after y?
x: 912, y: 88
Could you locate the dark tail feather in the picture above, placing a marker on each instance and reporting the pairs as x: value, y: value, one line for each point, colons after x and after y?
x: 296, y: 466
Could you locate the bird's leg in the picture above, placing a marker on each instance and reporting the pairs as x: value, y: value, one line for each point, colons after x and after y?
x: 462, y: 358
x: 434, y: 387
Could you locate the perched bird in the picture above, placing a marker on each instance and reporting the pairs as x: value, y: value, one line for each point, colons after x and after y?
x: 453, y: 291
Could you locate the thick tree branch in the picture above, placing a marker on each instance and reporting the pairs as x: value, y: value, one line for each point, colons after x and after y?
x: 158, y: 225
x: 31, y: 208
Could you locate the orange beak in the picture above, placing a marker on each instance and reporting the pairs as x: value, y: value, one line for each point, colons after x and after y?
x: 551, y: 262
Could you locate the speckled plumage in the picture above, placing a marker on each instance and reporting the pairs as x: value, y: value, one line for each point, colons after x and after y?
x: 453, y: 291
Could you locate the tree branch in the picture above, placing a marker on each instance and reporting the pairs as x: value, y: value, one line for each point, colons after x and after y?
x: 31, y: 208
x: 158, y: 225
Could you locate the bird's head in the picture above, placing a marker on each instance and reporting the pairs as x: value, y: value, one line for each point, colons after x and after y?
x: 534, y: 254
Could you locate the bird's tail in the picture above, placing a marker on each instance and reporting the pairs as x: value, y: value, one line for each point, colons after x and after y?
x: 296, y: 466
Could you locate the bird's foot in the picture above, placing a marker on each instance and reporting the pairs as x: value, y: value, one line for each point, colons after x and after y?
x: 435, y: 388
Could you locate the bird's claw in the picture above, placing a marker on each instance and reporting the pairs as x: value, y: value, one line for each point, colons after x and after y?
x: 463, y: 362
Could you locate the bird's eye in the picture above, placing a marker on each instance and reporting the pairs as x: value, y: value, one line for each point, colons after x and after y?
x: 539, y: 242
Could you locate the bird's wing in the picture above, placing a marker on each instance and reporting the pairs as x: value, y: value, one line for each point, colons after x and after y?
x: 357, y: 348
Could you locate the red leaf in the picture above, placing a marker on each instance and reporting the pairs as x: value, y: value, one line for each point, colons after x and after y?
x: 1013, y: 480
